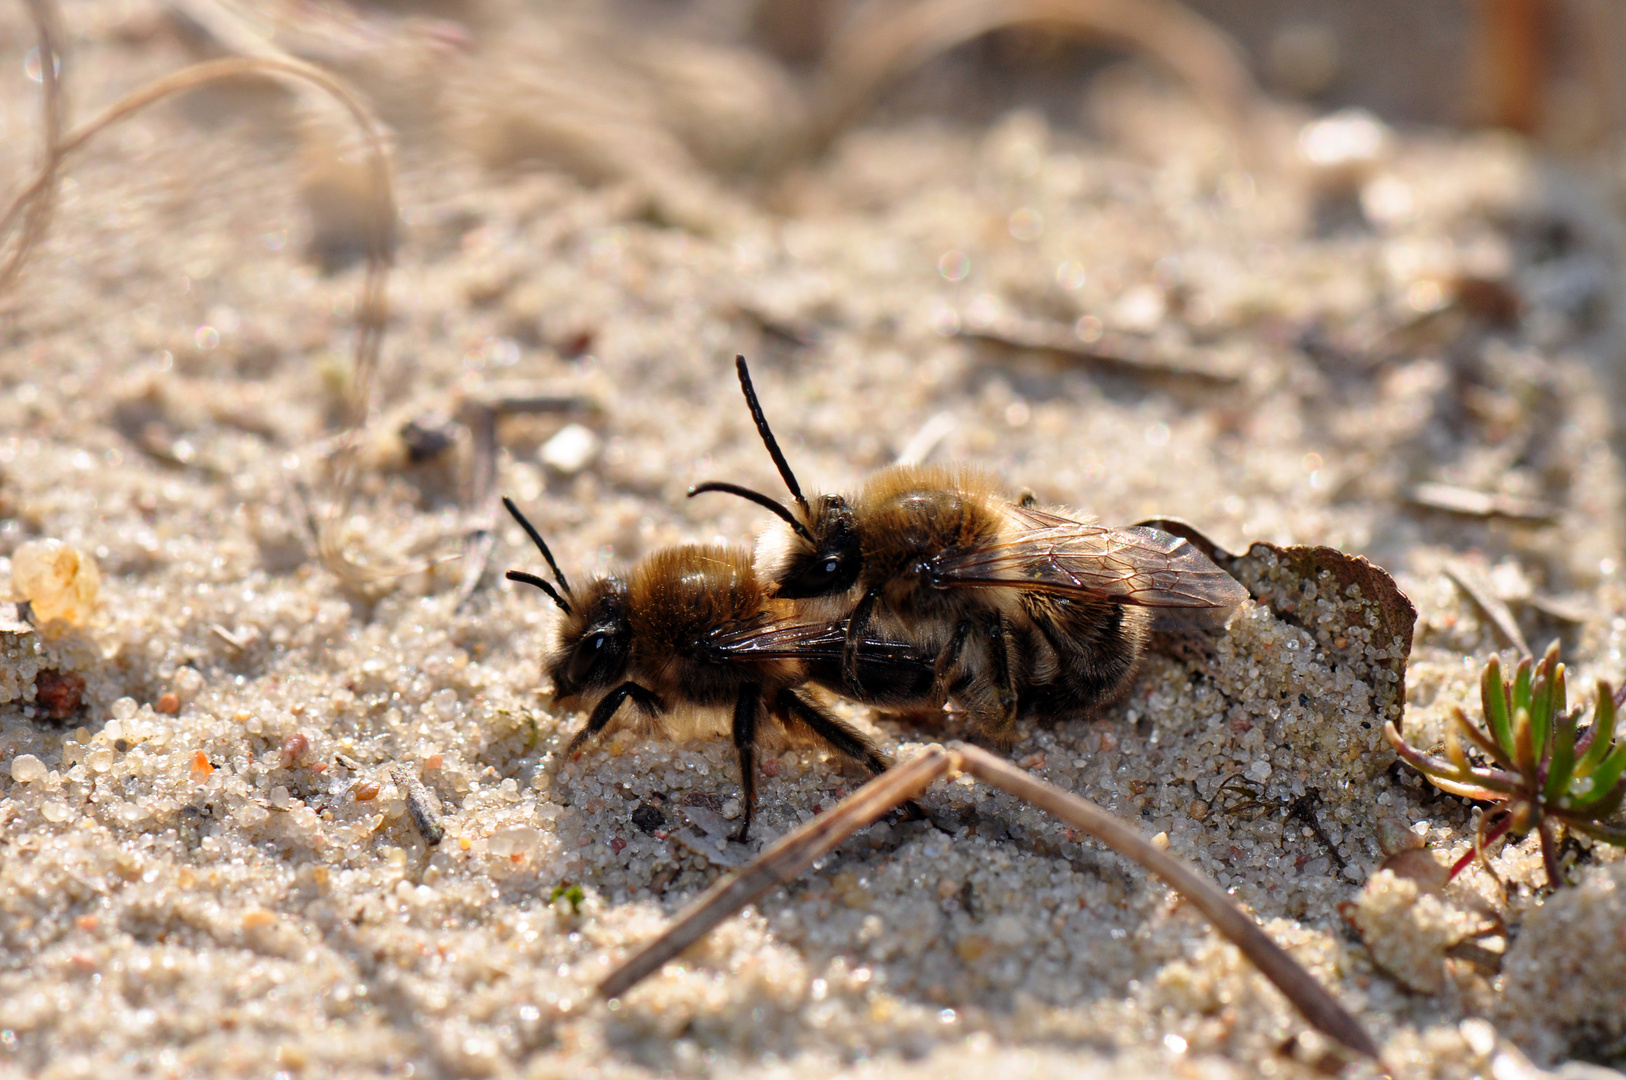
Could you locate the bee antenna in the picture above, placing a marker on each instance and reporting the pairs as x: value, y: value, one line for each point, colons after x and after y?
x: 532, y: 579
x: 761, y: 500
x: 536, y: 538
x: 767, y: 436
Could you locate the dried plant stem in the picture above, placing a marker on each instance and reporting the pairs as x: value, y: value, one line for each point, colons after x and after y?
x: 34, y: 202
x: 53, y: 109
x: 887, y: 41
x: 800, y: 849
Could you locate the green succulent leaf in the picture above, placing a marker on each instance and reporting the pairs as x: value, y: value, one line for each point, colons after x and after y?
x: 1562, y: 764
x: 1493, y: 692
x: 1605, y: 778
x: 1603, y: 731
x: 1519, y: 692
x: 1542, y: 688
x: 1524, y: 742
x: 1609, y: 834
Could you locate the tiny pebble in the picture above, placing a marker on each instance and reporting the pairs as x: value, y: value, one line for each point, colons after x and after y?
x: 571, y: 449
x: 168, y: 703
x: 26, y: 769
x: 57, y: 580
x: 294, y: 749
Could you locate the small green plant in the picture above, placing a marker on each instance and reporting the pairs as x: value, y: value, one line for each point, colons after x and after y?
x: 1538, y: 771
x: 566, y: 891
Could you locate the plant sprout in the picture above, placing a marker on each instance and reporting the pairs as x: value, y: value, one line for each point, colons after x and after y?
x: 1540, y: 770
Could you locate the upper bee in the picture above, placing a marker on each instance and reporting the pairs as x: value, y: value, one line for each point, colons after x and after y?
x: 1021, y: 607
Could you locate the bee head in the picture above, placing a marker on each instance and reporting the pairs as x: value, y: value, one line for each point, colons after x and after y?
x: 823, y: 560
x: 818, y: 554
x: 595, y: 640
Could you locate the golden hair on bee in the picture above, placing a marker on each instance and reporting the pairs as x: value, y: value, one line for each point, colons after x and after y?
x: 1024, y: 609
x: 691, y: 639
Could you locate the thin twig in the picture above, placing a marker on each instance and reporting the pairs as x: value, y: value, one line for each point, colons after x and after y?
x: 419, y: 806
x: 34, y: 200
x: 797, y: 851
x: 782, y: 863
x: 886, y: 41
x: 1500, y: 615
x: 1471, y: 503
x: 53, y: 109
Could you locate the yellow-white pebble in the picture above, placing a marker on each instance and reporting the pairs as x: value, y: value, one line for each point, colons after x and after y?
x: 57, y: 580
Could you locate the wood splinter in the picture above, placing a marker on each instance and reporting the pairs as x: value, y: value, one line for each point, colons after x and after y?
x: 796, y: 852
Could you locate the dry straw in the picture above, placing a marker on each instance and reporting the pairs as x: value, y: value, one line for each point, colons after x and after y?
x: 32, y: 207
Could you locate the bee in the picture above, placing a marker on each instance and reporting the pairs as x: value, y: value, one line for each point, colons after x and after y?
x: 1025, y: 609
x: 692, y: 640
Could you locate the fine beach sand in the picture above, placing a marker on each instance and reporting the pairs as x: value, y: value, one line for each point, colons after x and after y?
x: 1313, y: 357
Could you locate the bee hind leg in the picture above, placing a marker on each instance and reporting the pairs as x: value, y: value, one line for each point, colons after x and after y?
x: 1003, y: 662
x: 947, y: 662
x: 795, y: 710
x: 989, y: 694
x: 747, y: 707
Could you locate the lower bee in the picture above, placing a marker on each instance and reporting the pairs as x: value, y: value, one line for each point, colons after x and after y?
x: 689, y: 637
x: 1025, y: 609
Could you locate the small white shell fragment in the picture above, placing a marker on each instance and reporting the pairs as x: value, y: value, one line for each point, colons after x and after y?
x: 58, y: 581
x: 571, y: 449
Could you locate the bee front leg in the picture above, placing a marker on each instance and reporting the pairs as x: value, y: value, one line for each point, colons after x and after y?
x: 645, y: 701
x: 746, y: 708
x: 857, y: 626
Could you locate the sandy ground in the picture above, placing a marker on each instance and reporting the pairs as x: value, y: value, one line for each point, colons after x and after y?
x: 179, y: 896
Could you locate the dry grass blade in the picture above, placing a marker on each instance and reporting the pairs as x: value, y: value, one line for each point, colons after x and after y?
x: 48, y: 31
x: 781, y: 863
x: 1300, y: 987
x: 797, y: 851
x: 1470, y: 503
x: 887, y: 41
x: 1499, y: 613
x: 33, y: 205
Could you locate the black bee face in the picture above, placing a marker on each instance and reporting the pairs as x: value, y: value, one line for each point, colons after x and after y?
x: 595, y: 642
x: 828, y: 565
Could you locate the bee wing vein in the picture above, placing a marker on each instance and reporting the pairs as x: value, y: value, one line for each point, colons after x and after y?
x: 1136, y: 565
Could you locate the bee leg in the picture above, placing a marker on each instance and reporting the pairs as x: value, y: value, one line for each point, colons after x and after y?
x: 644, y: 700
x: 746, y: 707
x: 839, y: 736
x: 947, y: 662
x: 1000, y: 647
x: 857, y: 625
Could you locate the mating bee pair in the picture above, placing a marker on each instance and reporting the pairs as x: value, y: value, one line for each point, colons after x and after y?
x: 927, y: 585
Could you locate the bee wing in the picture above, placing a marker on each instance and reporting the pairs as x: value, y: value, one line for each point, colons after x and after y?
x: 785, y: 640
x: 1134, y: 565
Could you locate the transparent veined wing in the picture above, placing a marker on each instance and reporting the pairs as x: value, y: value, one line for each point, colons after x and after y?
x: 788, y: 640
x: 1054, y: 555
